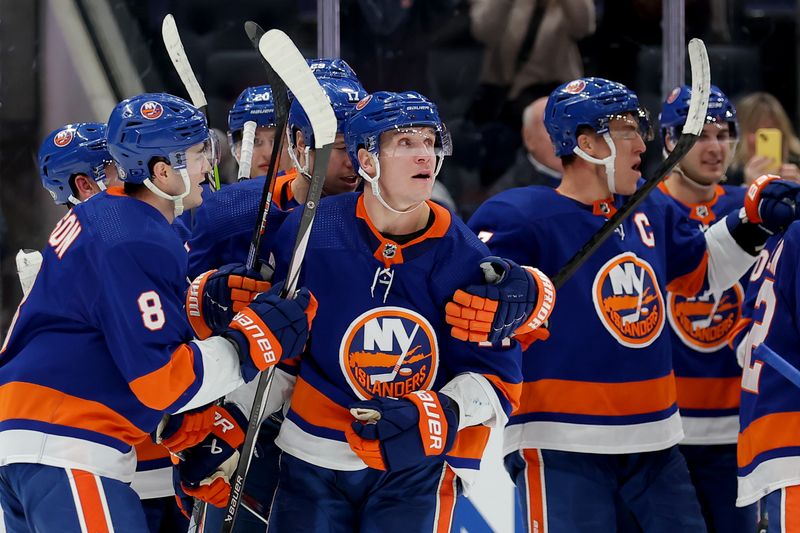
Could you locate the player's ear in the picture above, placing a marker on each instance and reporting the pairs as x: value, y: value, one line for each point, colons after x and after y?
x: 366, y: 162
x: 85, y: 187
x: 299, y: 140
x: 669, y: 142
x: 586, y: 142
x: 160, y: 171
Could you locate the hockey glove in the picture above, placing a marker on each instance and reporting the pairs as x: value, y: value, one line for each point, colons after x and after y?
x: 215, y: 296
x: 271, y: 328
x: 184, y: 502
x: 514, y: 300
x: 393, y: 434
x: 206, y: 469
x: 184, y: 430
x: 772, y: 203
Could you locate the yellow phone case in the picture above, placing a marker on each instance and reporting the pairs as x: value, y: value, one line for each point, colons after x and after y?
x: 769, y: 144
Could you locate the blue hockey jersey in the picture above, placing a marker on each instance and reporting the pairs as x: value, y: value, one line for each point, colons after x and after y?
x: 768, y: 450
x: 224, y: 224
x: 380, y: 329
x: 603, y: 382
x: 706, y: 372
x: 99, y: 347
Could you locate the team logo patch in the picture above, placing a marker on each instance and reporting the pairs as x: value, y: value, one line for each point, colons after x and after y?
x: 575, y: 87
x: 389, y: 249
x: 703, y: 322
x: 628, y: 300
x: 151, y: 110
x: 389, y: 351
x: 63, y: 138
x: 364, y: 101
x: 673, y: 95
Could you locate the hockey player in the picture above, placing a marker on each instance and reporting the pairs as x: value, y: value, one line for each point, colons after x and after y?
x: 254, y: 104
x: 598, y: 418
x: 387, y: 407
x: 101, y: 347
x: 224, y: 225
x: 707, y: 375
x: 767, y: 454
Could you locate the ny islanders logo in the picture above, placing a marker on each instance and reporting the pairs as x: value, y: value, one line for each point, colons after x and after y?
x: 628, y: 300
x: 151, y: 110
x: 63, y: 138
x: 703, y: 322
x: 389, y: 351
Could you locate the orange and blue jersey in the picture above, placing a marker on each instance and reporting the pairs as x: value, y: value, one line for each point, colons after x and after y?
x: 706, y: 372
x: 224, y: 223
x: 99, y: 348
x: 380, y: 328
x: 604, y: 382
x: 768, y: 450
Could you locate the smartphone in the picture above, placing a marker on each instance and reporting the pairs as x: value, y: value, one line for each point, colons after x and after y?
x: 769, y: 143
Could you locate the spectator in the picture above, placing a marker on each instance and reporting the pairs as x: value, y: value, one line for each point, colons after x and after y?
x: 763, y: 110
x: 536, y: 162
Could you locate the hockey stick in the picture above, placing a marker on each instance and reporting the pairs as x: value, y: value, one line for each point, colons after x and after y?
x: 389, y: 376
x: 287, y: 62
x: 177, y: 54
x: 246, y: 151
x: 281, y: 99
x: 784, y: 368
x: 695, y: 120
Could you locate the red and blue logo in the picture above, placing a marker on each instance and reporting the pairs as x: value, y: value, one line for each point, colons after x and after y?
x: 151, y: 110
x: 389, y: 352
x: 703, y: 322
x: 63, y: 138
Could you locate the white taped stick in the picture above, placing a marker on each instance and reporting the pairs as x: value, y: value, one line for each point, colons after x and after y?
x: 246, y: 152
x: 287, y: 62
x: 701, y: 88
x: 174, y: 46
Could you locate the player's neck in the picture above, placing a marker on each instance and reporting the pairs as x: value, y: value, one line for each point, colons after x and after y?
x: 164, y: 206
x: 688, y: 192
x: 300, y: 186
x: 386, y: 221
x: 584, y: 183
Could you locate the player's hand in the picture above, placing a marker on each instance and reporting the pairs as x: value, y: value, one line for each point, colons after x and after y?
x: 514, y: 300
x: 271, y: 328
x: 184, y: 430
x: 206, y: 469
x: 772, y: 203
x: 393, y: 434
x: 214, y: 297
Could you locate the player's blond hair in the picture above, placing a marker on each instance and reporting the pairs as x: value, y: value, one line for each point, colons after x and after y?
x: 751, y: 111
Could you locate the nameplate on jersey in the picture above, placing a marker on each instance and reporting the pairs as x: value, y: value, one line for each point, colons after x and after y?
x: 628, y: 300
x: 389, y: 352
x: 703, y: 322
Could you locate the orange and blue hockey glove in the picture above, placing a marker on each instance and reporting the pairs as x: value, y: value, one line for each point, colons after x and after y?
x: 214, y: 297
x: 772, y: 203
x: 515, y: 300
x: 393, y: 434
x: 271, y: 328
x: 206, y: 469
x: 184, y: 430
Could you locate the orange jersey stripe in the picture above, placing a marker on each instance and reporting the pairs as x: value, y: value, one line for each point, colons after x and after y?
x: 592, y: 398
x: 90, y: 505
x: 28, y: 401
x: 739, y: 326
x: 161, y: 388
x: 284, y: 183
x: 470, y: 442
x: 316, y: 408
x: 147, y: 450
x: 512, y: 391
x: 708, y: 393
x: 534, y: 475
x: 770, y: 432
x: 791, y: 514
x: 690, y: 284
x: 446, y: 503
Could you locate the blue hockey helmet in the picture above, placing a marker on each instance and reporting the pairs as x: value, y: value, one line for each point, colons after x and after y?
x: 78, y: 148
x: 676, y: 108
x: 255, y: 104
x: 331, y: 68
x: 153, y: 125
x: 589, y: 102
x: 343, y: 94
x: 384, y: 111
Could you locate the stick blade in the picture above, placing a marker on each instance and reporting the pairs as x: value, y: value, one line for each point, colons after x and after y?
x: 289, y: 64
x: 701, y: 88
x: 177, y: 54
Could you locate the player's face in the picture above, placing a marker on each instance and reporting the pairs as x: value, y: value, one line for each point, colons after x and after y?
x: 340, y: 176
x: 630, y: 146
x: 262, y: 151
x: 708, y: 159
x: 407, y: 160
x: 197, y: 165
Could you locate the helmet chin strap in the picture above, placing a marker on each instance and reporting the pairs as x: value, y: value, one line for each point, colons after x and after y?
x: 376, y: 188
x: 607, y: 162
x: 178, y: 199
x: 691, y: 182
x: 302, y: 169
